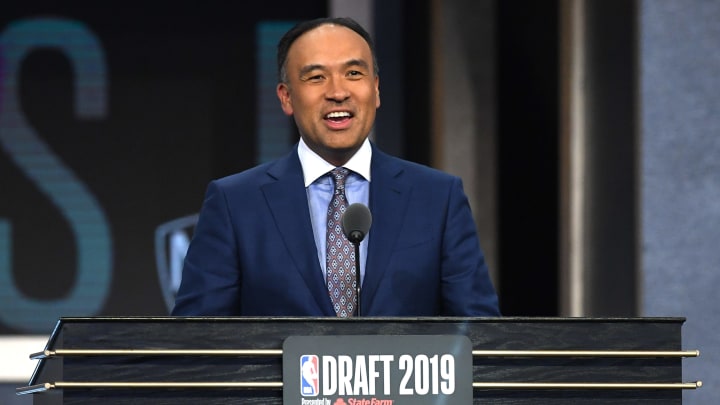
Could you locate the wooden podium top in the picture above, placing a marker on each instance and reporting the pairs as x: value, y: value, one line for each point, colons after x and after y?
x: 506, y: 351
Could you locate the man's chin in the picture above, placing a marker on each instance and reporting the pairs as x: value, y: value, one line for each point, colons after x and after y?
x: 339, y: 154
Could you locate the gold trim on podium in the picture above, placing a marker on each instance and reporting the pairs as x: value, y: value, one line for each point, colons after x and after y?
x: 165, y: 385
x: 154, y: 352
x: 278, y: 352
x: 278, y: 385
x: 588, y: 386
x: 584, y: 353
x: 274, y: 385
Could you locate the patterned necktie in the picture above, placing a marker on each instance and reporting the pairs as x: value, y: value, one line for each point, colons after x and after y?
x: 340, y: 267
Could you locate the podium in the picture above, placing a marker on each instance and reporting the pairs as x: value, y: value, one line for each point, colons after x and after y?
x: 178, y: 360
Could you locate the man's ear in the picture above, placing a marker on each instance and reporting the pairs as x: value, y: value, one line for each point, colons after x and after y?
x: 283, y: 93
x: 377, y: 92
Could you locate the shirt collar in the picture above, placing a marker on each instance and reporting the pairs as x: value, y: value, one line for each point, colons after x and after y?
x: 314, y: 166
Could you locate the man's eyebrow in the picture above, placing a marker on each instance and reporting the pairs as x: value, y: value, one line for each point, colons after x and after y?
x: 309, y: 68
x: 316, y: 66
x: 357, y: 62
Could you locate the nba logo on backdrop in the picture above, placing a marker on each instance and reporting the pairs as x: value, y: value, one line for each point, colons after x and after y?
x: 309, y: 375
x: 171, y: 244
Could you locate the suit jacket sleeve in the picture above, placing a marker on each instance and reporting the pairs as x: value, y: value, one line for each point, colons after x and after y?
x: 211, y: 277
x: 466, y: 288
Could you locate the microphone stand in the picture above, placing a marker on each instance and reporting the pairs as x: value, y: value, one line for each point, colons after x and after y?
x: 357, y: 275
x: 355, y: 230
x: 355, y: 237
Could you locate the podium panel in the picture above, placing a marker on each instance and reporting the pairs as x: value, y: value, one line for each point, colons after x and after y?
x: 171, y: 360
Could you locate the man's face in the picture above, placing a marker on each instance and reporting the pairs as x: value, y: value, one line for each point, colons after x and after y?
x: 331, y: 91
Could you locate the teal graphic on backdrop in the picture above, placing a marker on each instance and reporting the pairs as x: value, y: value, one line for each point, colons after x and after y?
x: 98, y: 258
x: 48, y: 173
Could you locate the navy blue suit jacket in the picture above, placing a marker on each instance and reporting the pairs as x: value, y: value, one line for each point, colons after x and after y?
x: 253, y: 251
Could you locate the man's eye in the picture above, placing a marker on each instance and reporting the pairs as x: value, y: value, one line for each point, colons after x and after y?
x: 314, y: 78
x: 354, y: 73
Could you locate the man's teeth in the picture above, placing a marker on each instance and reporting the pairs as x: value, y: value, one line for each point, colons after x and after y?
x: 342, y: 114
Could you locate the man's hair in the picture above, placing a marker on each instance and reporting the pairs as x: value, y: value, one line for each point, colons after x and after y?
x: 299, y: 29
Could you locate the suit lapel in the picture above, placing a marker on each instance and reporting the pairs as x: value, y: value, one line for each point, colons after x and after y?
x: 388, y: 201
x: 287, y: 200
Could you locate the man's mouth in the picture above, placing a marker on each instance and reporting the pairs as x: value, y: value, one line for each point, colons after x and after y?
x: 338, y: 116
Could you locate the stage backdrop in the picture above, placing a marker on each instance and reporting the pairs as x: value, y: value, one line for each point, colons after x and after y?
x: 113, y: 118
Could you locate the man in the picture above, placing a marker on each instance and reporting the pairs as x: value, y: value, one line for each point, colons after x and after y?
x: 262, y: 246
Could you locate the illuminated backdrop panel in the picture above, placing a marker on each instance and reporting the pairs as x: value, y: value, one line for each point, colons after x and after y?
x: 112, y: 121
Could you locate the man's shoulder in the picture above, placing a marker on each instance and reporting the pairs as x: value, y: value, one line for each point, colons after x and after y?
x: 249, y: 175
x: 263, y: 173
x: 402, y: 167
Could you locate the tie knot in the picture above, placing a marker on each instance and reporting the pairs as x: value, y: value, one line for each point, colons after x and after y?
x: 339, y: 174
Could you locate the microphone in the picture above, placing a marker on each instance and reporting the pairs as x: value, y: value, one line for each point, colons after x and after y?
x: 356, y: 223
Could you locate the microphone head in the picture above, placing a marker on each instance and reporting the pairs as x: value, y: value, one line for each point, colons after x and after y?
x: 356, y: 222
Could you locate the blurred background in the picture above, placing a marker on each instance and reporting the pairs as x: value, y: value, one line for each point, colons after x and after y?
x: 586, y: 132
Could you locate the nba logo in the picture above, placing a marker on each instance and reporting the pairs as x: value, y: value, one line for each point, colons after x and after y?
x: 309, y: 380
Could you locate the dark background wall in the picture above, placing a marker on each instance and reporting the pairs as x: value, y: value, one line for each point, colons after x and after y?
x: 527, y: 155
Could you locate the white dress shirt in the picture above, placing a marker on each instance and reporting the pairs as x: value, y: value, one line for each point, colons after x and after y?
x: 320, y: 188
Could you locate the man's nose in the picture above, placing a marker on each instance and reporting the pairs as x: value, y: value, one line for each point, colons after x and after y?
x: 336, y: 90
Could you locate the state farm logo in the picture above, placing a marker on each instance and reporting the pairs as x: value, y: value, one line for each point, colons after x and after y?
x: 363, y: 401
